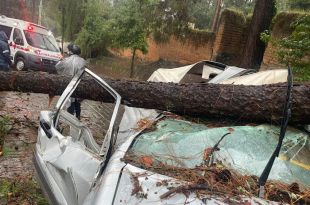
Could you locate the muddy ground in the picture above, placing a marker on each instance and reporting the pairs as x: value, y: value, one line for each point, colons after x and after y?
x: 16, y: 161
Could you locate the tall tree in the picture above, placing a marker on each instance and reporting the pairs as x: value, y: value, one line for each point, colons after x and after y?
x: 129, y: 28
x: 217, y: 15
x: 95, y: 34
x: 202, y: 13
x: 74, y: 13
x: 171, y: 17
x: 254, y: 49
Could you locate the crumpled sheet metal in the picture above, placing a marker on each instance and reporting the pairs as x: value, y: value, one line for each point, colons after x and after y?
x: 247, y: 149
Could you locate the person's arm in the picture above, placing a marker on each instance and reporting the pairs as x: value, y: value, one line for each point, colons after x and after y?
x: 60, y: 66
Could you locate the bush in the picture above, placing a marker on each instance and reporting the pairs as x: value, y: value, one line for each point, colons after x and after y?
x: 294, y: 50
x: 293, y: 43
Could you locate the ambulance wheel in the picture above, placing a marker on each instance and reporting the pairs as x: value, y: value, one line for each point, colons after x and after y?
x: 20, y: 64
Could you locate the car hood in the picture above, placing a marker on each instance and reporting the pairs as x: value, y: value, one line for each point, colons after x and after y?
x: 139, y: 186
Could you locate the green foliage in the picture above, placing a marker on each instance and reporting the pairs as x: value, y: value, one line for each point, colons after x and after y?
x: 95, y: 34
x: 171, y: 17
x: 293, y: 5
x: 265, y: 36
x: 74, y: 13
x: 21, y: 190
x: 235, y: 16
x: 299, y: 4
x: 295, y: 49
x: 202, y: 14
x: 129, y: 26
x: 199, y: 37
x: 7, y: 151
x: 52, y: 16
x: 4, y: 128
x: 245, y: 6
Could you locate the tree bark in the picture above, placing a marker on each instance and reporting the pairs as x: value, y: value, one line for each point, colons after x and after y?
x: 217, y: 15
x: 254, y: 49
x: 242, y: 103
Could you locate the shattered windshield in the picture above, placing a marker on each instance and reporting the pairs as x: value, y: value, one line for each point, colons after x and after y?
x: 180, y: 149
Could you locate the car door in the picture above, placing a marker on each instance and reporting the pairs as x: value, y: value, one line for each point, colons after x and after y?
x: 69, y: 152
x: 18, y: 41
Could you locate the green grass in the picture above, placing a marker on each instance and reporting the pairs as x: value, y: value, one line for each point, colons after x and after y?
x: 4, y: 128
x: 302, y: 74
x: 7, y: 151
x: 21, y: 190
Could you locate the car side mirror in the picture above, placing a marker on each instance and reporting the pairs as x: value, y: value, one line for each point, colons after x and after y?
x: 46, y: 128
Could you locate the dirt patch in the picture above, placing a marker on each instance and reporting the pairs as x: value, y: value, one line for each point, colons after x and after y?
x: 23, y: 112
x: 17, y: 185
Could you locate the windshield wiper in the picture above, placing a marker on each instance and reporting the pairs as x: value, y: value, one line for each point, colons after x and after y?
x: 285, y: 118
x: 210, y: 159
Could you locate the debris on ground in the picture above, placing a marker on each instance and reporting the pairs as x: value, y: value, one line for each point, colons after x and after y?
x: 21, y: 190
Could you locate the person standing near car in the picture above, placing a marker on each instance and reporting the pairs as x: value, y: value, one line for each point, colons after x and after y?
x: 73, y: 63
x: 5, y: 53
x: 70, y: 66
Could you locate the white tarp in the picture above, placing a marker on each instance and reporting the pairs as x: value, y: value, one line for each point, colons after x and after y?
x: 228, y: 73
x: 260, y: 78
x: 173, y: 75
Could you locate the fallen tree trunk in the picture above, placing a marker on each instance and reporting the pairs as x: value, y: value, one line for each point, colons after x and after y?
x: 250, y: 103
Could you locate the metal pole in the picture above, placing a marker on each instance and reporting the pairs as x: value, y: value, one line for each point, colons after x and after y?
x: 63, y: 29
x: 40, y: 12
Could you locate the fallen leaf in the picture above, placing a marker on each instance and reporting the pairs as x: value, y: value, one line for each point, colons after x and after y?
x: 143, y: 123
x: 206, y: 154
x: 146, y: 161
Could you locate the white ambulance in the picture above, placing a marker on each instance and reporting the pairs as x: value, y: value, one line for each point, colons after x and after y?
x: 32, y: 46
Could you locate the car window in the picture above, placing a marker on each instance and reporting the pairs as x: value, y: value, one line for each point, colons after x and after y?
x: 87, y: 121
x: 41, y: 41
x: 18, y: 37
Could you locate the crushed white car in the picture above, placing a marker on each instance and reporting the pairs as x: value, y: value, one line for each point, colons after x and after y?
x: 151, y: 157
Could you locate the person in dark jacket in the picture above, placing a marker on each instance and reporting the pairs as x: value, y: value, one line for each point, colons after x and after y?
x: 5, y: 53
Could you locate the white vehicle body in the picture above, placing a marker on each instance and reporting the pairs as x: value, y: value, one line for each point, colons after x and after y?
x: 76, y: 170
x: 32, y: 46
